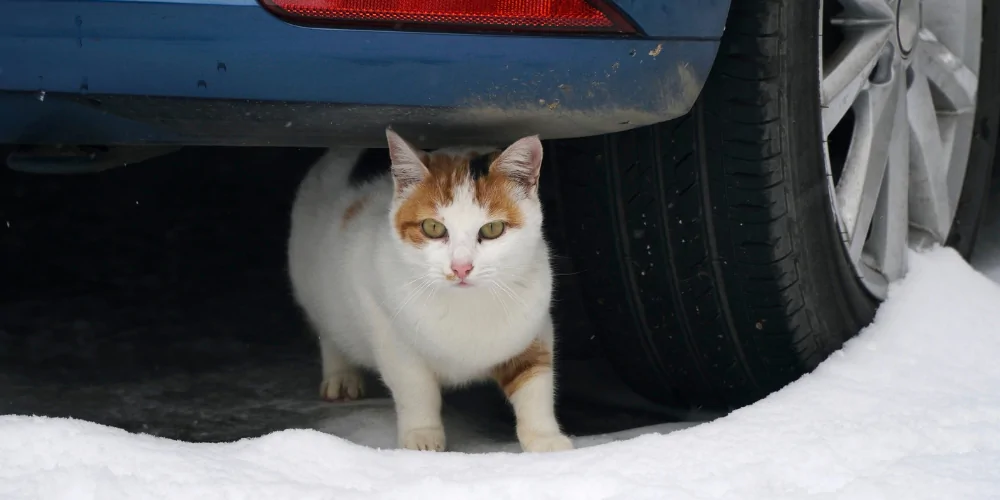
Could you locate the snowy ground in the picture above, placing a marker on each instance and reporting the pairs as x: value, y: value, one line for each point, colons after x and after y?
x: 910, y: 409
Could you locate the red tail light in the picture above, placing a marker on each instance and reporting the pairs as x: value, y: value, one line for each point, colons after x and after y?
x: 582, y: 16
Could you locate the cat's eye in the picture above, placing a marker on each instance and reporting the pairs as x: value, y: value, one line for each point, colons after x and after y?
x: 433, y: 229
x: 492, y: 230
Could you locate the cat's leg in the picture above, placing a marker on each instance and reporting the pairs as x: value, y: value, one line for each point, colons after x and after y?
x: 417, y: 397
x: 342, y: 381
x: 529, y: 384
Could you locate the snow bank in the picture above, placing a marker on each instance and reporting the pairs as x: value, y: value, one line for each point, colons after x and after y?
x: 909, y: 410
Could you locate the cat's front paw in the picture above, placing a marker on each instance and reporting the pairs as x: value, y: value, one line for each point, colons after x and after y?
x: 342, y: 386
x: 423, y: 439
x: 541, y: 443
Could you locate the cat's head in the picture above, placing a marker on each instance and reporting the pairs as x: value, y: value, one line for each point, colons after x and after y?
x: 468, y: 217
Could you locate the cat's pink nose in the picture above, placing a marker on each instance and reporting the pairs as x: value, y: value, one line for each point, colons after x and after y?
x: 461, y: 269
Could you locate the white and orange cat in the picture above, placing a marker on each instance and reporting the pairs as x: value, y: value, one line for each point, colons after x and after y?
x: 434, y: 276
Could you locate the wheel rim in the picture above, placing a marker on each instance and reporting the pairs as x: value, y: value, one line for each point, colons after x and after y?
x: 898, y: 97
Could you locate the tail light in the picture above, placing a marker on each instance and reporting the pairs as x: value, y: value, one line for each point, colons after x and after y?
x: 573, y: 16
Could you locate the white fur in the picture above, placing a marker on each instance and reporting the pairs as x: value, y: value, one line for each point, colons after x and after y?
x: 380, y: 303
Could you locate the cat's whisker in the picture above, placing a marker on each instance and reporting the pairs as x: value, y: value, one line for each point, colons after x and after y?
x: 404, y: 285
x: 413, y: 294
x: 501, y: 296
x: 509, y: 291
x: 516, y: 268
x: 425, y: 275
x: 496, y: 271
x: 430, y: 298
x: 567, y: 274
x: 420, y: 291
x: 405, y: 300
x: 513, y: 275
x: 503, y: 304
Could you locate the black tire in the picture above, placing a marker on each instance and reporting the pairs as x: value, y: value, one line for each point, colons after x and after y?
x: 707, y: 245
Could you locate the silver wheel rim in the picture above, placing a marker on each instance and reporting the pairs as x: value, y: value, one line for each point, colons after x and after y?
x: 898, y: 97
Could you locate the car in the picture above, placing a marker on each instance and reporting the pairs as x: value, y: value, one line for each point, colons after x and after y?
x: 739, y: 183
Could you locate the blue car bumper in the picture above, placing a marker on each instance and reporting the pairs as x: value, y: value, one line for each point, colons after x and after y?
x: 228, y: 72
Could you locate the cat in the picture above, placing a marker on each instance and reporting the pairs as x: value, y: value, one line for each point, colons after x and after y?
x: 435, y: 275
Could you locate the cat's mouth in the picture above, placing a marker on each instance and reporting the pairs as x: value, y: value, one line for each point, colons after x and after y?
x: 456, y: 281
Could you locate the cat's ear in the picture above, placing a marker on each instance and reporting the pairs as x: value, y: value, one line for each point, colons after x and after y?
x: 522, y: 162
x: 408, y: 166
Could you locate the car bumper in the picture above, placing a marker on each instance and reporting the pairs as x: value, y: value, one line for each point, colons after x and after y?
x: 142, y: 72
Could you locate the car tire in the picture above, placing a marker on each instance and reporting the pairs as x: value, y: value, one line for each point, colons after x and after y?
x: 708, y: 247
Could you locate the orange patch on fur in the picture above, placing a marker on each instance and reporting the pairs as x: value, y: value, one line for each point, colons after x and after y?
x: 353, y: 210
x: 514, y: 373
x: 492, y: 191
x: 421, y: 204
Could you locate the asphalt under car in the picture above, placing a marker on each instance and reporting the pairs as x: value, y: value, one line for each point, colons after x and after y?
x: 155, y: 298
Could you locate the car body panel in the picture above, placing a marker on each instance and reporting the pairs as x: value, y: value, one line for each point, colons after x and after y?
x: 676, y: 19
x: 229, y: 72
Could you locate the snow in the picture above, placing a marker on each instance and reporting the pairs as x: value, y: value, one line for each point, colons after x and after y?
x: 909, y: 409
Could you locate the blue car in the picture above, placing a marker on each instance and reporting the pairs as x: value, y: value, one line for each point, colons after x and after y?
x: 738, y: 181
